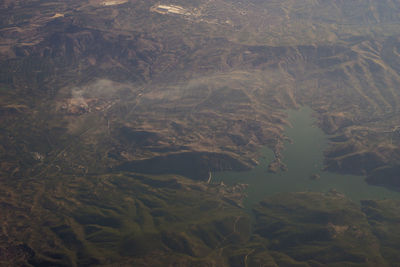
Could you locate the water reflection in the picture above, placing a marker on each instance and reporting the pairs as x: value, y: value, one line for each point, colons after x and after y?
x: 304, y: 159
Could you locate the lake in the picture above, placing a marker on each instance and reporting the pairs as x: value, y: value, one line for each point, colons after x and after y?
x: 304, y: 158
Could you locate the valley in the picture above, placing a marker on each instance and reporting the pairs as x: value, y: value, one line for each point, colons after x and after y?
x: 114, y: 113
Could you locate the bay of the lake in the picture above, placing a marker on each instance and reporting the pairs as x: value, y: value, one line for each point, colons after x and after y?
x: 304, y: 159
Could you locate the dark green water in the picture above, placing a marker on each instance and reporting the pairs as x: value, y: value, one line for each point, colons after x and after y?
x: 304, y: 157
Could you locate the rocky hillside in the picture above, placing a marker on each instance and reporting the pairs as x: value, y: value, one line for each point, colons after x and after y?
x: 113, y: 114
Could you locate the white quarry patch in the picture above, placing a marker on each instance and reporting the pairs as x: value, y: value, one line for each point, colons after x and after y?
x: 113, y: 2
x: 169, y: 9
x: 57, y: 15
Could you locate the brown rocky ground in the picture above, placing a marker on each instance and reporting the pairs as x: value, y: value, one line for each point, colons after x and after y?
x: 89, y: 89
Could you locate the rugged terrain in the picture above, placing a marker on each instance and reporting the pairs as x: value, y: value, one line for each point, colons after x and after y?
x: 116, y: 111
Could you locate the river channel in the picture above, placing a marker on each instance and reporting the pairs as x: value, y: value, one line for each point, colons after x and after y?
x: 304, y: 158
